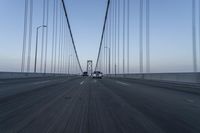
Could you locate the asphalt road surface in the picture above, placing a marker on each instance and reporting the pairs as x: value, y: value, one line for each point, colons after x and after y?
x: 86, y: 105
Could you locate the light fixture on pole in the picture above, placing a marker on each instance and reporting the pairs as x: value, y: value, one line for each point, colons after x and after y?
x: 36, y: 46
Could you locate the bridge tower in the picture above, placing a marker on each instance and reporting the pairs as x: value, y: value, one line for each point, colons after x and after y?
x: 89, y: 67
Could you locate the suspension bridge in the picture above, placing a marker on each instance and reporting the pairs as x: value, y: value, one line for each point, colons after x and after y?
x: 145, y: 88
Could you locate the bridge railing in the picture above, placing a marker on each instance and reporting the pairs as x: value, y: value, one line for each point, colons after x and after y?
x: 171, y: 77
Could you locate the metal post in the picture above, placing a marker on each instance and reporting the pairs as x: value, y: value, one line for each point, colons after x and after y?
x: 36, y: 47
x: 43, y: 34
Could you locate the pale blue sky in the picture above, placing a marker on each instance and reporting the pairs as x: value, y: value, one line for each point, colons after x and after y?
x: 171, y: 38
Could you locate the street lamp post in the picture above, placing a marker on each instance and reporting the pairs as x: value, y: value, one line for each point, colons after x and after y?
x: 36, y: 47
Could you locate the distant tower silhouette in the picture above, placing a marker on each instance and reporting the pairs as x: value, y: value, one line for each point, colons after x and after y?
x: 89, y: 67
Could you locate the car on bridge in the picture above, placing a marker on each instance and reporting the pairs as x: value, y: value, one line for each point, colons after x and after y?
x: 97, y: 74
x: 85, y: 74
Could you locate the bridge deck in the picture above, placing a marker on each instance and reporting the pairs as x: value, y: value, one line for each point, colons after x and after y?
x: 85, y: 105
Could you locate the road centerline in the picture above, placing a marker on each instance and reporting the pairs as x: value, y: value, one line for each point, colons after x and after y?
x: 82, y: 82
x: 41, y: 82
x: 122, y: 83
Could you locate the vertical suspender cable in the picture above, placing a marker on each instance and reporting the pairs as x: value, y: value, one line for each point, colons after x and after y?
x: 53, y: 37
x: 119, y: 6
x: 110, y: 41
x: 73, y: 63
x: 105, y: 55
x: 25, y: 35
x: 67, y: 51
x: 59, y: 43
x: 68, y: 68
x: 43, y: 33
x: 112, y: 35
x: 147, y: 37
x: 128, y: 40
x: 109, y: 38
x: 113, y: 38
x: 64, y: 49
x: 106, y: 45
x: 30, y: 36
x: 194, y: 35
x: 56, y: 37
x: 61, y: 66
x: 199, y: 29
x: 116, y: 3
x: 99, y: 65
x: 68, y: 58
x: 66, y: 42
x: 141, y: 36
x: 124, y: 13
x: 47, y: 29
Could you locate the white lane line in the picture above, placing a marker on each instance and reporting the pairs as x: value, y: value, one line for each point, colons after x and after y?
x: 190, y: 100
x: 122, y: 83
x: 41, y: 82
x: 82, y: 82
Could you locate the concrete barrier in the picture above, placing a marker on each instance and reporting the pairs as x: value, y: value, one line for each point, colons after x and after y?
x: 176, y: 77
x: 14, y: 75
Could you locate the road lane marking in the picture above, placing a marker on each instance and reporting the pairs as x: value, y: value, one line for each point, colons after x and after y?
x: 82, y: 82
x: 122, y: 83
x: 190, y: 100
x: 41, y: 82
